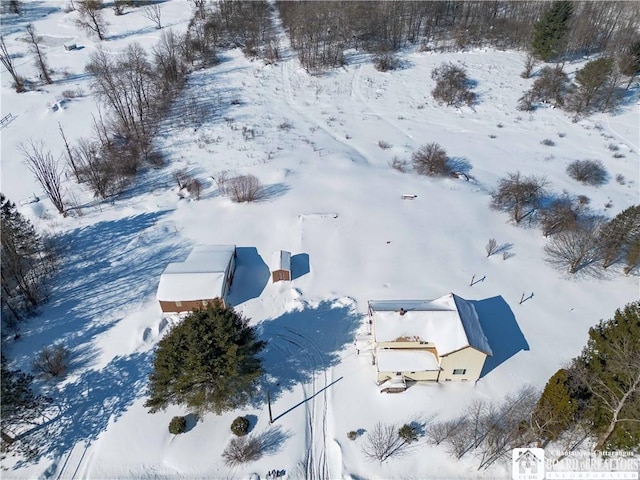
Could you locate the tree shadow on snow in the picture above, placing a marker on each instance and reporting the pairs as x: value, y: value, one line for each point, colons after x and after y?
x: 107, y: 269
x: 91, y: 402
x: 303, y: 343
x: 501, y: 329
x: 271, y: 440
x: 250, y: 278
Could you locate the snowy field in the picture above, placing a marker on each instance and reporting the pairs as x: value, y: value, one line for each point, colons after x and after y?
x: 335, y: 203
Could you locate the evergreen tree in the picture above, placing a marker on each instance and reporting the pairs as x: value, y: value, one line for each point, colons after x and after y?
x: 629, y: 61
x: 19, y: 404
x: 550, y: 33
x: 556, y: 409
x: 609, y: 369
x: 618, y: 236
x: 596, y: 86
x: 207, y: 362
x: 20, y: 249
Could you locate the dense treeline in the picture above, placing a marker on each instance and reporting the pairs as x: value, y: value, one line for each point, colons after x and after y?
x: 598, y: 394
x: 595, y: 398
x: 320, y: 31
x: 27, y: 260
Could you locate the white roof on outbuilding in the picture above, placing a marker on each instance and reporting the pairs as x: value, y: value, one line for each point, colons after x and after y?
x: 406, y: 360
x: 281, y: 260
x: 201, y: 276
x: 450, y: 322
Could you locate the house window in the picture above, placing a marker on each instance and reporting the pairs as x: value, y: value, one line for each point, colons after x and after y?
x: 178, y: 303
x: 459, y: 371
x: 398, y: 373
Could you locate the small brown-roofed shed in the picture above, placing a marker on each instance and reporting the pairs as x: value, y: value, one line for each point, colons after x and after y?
x: 281, y: 266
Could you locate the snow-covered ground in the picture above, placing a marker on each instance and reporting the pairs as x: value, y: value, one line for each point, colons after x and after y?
x: 335, y: 203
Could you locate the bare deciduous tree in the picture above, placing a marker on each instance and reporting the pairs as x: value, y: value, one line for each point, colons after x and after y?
x: 70, y: 154
x: 7, y: 61
x: 431, y: 159
x: 91, y: 17
x: 153, y: 12
x: 34, y: 46
x: 559, y: 215
x: 550, y: 86
x: 519, y: 195
x: 47, y: 171
x: 575, y: 249
x: 383, y: 442
x: 242, y: 449
x: 244, y: 188
x: 52, y: 361
x: 438, y: 432
x: 491, y: 247
x: 529, y: 64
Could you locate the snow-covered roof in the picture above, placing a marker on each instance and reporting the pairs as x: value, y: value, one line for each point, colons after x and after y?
x: 201, y: 276
x: 450, y: 322
x: 281, y: 260
x: 406, y: 360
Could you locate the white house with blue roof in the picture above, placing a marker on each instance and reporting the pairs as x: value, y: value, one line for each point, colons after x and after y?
x: 437, y: 340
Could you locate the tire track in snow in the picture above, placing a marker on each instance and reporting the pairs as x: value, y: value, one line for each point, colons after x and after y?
x: 356, y: 93
x: 316, y: 461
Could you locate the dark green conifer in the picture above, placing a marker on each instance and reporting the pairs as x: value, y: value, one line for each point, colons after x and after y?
x: 207, y: 362
x: 550, y: 33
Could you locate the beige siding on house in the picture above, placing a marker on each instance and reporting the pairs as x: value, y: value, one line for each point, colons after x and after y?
x: 468, y: 359
x: 420, y: 345
x: 428, y: 376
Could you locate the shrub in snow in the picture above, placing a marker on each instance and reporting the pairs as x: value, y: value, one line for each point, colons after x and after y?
x: 240, y: 426
x: 52, y: 361
x: 382, y: 442
x: 452, y: 86
x: 385, y: 62
x: 408, y: 433
x: 519, y: 195
x: 245, y: 188
x: 431, y: 159
x: 550, y: 86
x: 399, y: 165
x: 352, y: 435
x: 491, y: 247
x: 589, y: 172
x: 576, y: 249
x: 177, y: 425
x: 242, y: 450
